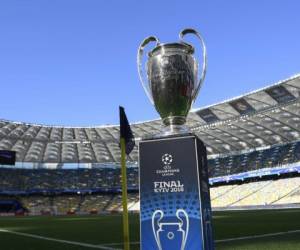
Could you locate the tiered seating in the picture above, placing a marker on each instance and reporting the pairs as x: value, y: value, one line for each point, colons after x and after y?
x: 37, y: 204
x: 291, y: 198
x: 79, y: 204
x: 25, y: 179
x: 95, y: 203
x: 65, y: 204
x: 296, y: 152
x: 265, y: 158
x: 116, y: 203
x: 273, y: 192
x: 231, y: 196
x: 235, y: 195
x: 62, y: 179
x: 218, y: 192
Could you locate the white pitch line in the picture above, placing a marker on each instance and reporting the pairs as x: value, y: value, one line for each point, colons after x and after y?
x: 59, y: 240
x: 226, y: 240
x: 120, y: 244
x: 258, y: 236
x: 105, y: 246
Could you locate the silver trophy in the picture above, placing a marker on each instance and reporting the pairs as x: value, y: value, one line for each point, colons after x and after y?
x: 172, y: 80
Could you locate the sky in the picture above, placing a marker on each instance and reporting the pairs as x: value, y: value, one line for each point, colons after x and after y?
x: 73, y: 62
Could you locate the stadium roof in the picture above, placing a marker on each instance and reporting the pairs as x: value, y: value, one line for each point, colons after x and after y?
x: 262, y: 118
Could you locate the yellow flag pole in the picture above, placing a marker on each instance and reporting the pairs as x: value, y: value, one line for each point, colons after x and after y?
x: 124, y: 196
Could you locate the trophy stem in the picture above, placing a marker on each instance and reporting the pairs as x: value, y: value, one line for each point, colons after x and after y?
x: 174, y: 120
x: 174, y: 129
x: 170, y: 130
x: 174, y: 125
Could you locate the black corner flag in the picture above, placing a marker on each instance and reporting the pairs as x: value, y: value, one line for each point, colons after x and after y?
x: 126, y: 144
x: 125, y: 131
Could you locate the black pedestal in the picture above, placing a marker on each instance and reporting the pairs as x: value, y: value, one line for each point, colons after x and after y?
x: 174, y: 194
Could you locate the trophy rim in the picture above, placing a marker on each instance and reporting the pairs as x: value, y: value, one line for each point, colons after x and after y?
x: 181, y: 45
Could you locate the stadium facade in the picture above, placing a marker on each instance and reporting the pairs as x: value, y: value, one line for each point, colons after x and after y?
x: 253, y: 140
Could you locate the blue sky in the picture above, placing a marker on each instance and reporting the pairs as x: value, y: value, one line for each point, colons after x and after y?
x: 71, y: 62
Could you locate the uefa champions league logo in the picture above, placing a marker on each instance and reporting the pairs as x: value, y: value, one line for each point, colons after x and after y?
x: 167, y: 168
x: 170, y: 235
x: 167, y: 159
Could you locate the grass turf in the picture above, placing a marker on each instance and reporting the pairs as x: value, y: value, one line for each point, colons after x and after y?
x: 107, y: 229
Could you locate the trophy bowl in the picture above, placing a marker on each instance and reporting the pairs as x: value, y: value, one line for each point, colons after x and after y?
x: 171, y: 79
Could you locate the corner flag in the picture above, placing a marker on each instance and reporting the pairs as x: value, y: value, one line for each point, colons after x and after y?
x: 126, y: 144
x: 125, y: 131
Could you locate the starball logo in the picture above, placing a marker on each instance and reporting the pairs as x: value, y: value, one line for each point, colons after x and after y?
x: 166, y: 168
x: 167, y: 159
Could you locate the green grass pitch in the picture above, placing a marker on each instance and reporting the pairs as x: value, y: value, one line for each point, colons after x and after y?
x: 105, y: 231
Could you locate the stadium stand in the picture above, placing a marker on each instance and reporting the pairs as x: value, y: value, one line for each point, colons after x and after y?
x: 258, y: 194
x: 255, y: 137
x: 43, y: 179
x: 270, y: 157
x: 44, y: 190
x: 254, y: 194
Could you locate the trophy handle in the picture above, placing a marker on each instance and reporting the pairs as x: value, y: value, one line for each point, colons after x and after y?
x: 181, y: 223
x: 204, y: 64
x: 141, y: 72
x: 161, y: 215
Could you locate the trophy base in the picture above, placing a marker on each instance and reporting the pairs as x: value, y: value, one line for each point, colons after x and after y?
x: 179, y: 161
